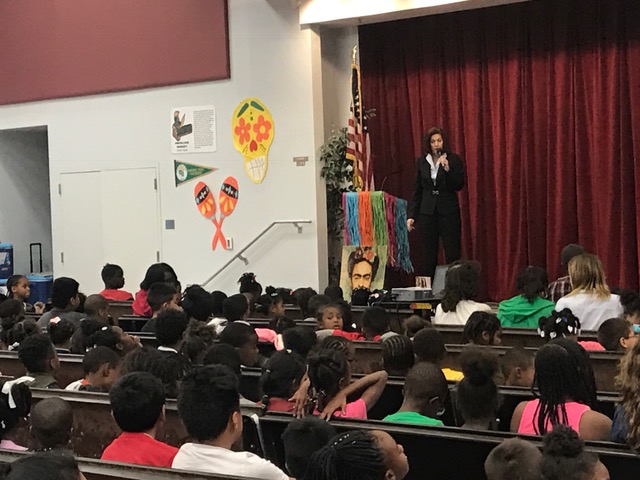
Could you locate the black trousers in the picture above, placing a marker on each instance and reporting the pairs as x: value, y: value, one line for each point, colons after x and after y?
x: 446, y: 226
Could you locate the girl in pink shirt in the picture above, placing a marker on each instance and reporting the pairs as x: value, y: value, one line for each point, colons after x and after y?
x: 567, y: 393
x: 330, y: 379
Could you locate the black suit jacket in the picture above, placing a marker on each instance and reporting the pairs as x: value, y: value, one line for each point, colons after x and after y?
x: 441, y: 197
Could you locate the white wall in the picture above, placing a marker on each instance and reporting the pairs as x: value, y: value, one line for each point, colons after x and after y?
x: 272, y: 59
x: 355, y: 12
x: 25, y: 206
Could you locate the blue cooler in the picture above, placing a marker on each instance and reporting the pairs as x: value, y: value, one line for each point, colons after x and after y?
x: 3, y: 286
x: 6, y: 260
x: 40, y: 288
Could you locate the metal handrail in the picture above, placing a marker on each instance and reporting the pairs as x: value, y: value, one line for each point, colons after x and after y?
x: 296, y: 223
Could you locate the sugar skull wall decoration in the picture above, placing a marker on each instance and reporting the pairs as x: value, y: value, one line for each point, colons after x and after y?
x: 252, y: 130
x: 227, y: 201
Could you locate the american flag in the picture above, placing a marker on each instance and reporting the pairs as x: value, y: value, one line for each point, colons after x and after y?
x: 358, y: 150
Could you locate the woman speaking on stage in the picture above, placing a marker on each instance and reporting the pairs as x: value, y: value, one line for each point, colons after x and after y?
x: 434, y: 204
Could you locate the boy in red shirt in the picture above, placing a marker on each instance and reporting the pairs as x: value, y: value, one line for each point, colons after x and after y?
x: 113, y: 278
x: 137, y: 404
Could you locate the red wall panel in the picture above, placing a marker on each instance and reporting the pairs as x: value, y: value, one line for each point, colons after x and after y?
x: 67, y: 48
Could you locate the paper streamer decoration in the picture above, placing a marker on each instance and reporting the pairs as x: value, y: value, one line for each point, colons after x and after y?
x: 227, y: 201
x: 252, y: 130
x: 377, y: 219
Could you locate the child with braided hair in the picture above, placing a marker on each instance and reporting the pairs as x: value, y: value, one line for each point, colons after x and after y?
x: 564, y: 324
x: 359, y: 455
x: 566, y: 394
x: 482, y: 328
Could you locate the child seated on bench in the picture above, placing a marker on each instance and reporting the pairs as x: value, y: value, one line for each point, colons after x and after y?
x: 209, y: 406
x: 425, y: 394
x: 270, y: 304
x: 517, y: 367
x: 60, y: 332
x: 428, y: 346
x: 113, y: 278
x: 301, y: 439
x: 514, y: 459
x: 281, y: 376
x: 244, y: 339
x: 138, y: 407
x: 15, y: 405
x: 101, y: 367
x: 330, y: 383
x: 482, y: 328
x: 161, y: 296
x: 617, y: 335
x: 44, y: 466
x: 18, y: 289
x: 397, y: 355
x: 65, y: 299
x: 156, y: 273
x: 39, y: 357
x: 477, y: 393
x: 51, y: 425
x: 365, y: 455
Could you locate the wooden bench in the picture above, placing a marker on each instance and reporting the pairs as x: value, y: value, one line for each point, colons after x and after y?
x: 98, y: 470
x: 95, y: 428
x: 444, y: 453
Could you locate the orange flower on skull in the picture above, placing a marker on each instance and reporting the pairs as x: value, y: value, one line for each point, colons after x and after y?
x: 243, y: 130
x: 262, y: 128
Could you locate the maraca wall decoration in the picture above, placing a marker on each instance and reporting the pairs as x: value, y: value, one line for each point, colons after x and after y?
x: 252, y: 130
x: 227, y: 201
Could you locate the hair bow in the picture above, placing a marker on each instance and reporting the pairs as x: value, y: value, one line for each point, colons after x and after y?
x: 8, y: 386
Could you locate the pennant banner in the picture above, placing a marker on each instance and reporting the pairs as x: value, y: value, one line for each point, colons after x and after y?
x: 185, y: 171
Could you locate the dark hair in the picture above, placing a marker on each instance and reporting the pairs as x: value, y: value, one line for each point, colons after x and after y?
x: 235, y: 307
x: 360, y: 297
x: 302, y: 297
x: 136, y: 401
x: 11, y: 308
x: 558, y: 325
x: 208, y: 397
x: 281, y: 323
x: 630, y: 302
x: 81, y: 338
x: 105, y: 336
x: 94, y: 303
x: 159, y: 273
x: 321, y: 309
x: 564, y: 457
x: 197, y: 303
x: 425, y: 381
x: 217, y: 297
x: 112, y: 276
x: 43, y: 466
x: 266, y: 302
x: 426, y: 140
x: 96, y: 357
x: 347, y: 316
x: 532, y: 283
x: 359, y: 255
x: 11, y: 312
x: 570, y: 251
x: 35, y: 353
x: 513, y: 459
x: 428, y: 345
x: 60, y: 330
x: 301, y: 439
x: 286, y: 294
x: 477, y: 395
x: 237, y: 334
x: 326, y: 369
x: 376, y: 320
x: 63, y: 290
x: 12, y: 281
x: 159, y: 294
x: 223, y: 354
x: 334, y: 292
x: 51, y: 423
x: 281, y: 375
x: 199, y: 337
x: 479, y: 323
x: 167, y: 367
x: 516, y: 357
x: 397, y: 355
x: 353, y: 455
x: 460, y: 283
x: 336, y: 342
x: 170, y: 326
x: 81, y: 299
x: 413, y: 324
x: 563, y: 372
x: 248, y: 284
x: 14, y: 333
x: 9, y: 417
x: 611, y: 331
x: 316, y: 303
x: 300, y: 339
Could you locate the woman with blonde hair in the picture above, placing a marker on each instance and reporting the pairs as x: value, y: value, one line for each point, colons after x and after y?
x: 590, y: 299
x: 626, y: 420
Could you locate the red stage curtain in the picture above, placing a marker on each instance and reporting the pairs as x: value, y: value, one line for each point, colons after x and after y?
x: 542, y: 101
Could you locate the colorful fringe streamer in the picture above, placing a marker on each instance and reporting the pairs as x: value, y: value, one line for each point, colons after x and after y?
x: 404, y: 258
x: 390, y: 221
x: 351, y: 217
x: 365, y: 219
x: 347, y: 240
x: 379, y: 218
